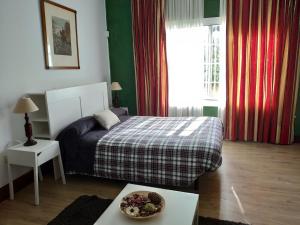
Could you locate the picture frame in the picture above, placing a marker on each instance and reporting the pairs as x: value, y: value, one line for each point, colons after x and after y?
x: 59, y: 28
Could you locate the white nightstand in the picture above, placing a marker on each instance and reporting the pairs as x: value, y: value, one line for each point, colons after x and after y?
x: 33, y: 156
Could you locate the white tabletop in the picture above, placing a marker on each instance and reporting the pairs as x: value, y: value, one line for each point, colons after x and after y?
x: 180, y: 208
x: 38, y: 147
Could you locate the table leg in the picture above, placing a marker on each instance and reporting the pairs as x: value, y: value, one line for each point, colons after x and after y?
x: 196, y: 219
x: 56, y: 168
x: 196, y: 216
x: 40, y: 174
x: 61, y: 168
x: 11, y: 183
x: 36, y: 186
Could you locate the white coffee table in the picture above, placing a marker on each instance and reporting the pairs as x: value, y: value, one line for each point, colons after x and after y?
x: 181, y: 209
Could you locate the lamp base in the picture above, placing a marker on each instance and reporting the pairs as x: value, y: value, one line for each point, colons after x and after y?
x: 28, y: 132
x: 116, y: 103
x: 30, y: 142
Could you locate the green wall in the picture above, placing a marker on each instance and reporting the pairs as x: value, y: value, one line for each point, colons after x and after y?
x: 118, y: 15
x: 211, y: 8
x: 210, y: 111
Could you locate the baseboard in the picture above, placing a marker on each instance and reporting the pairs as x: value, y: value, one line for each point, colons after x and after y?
x: 297, y: 139
x: 19, y: 183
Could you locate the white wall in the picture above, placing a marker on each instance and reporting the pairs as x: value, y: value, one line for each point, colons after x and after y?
x: 22, y: 67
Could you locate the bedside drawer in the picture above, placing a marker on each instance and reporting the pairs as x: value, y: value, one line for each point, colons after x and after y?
x: 47, y: 154
x: 21, y: 158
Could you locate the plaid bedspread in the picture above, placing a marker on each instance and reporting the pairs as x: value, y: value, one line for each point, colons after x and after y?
x: 160, y: 150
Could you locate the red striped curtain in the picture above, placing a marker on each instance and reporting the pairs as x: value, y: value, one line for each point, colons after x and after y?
x: 149, y: 35
x: 262, y: 69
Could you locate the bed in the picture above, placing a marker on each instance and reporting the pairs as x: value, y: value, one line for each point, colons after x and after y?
x: 158, y: 150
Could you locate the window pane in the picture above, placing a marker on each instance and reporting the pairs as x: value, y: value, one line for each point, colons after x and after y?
x: 211, y: 69
x: 194, y: 64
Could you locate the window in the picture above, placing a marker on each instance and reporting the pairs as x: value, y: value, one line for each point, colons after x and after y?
x: 194, y: 64
x: 196, y: 56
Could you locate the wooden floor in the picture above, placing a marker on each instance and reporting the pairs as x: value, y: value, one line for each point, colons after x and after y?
x: 257, y: 184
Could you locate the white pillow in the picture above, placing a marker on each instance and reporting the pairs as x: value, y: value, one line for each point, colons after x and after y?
x: 107, y: 118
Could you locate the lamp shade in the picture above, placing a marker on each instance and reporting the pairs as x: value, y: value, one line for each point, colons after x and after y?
x: 25, y: 105
x: 115, y: 86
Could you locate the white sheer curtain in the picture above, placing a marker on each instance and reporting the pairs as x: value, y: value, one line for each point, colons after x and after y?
x: 196, y: 65
x: 184, y: 13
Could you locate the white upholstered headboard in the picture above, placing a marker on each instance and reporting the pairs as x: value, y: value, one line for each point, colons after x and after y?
x: 70, y: 104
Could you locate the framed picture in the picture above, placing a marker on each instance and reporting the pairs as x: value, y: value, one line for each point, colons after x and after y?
x: 60, y: 36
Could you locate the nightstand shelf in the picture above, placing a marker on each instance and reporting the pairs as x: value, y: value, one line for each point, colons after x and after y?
x: 39, y: 119
x: 42, y: 120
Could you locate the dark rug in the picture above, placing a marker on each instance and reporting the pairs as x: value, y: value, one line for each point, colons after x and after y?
x: 85, y: 210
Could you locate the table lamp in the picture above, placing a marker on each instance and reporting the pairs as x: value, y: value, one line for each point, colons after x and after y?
x: 26, y: 105
x: 115, y: 87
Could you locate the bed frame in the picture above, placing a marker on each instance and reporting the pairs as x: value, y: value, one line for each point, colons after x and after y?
x: 67, y: 105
